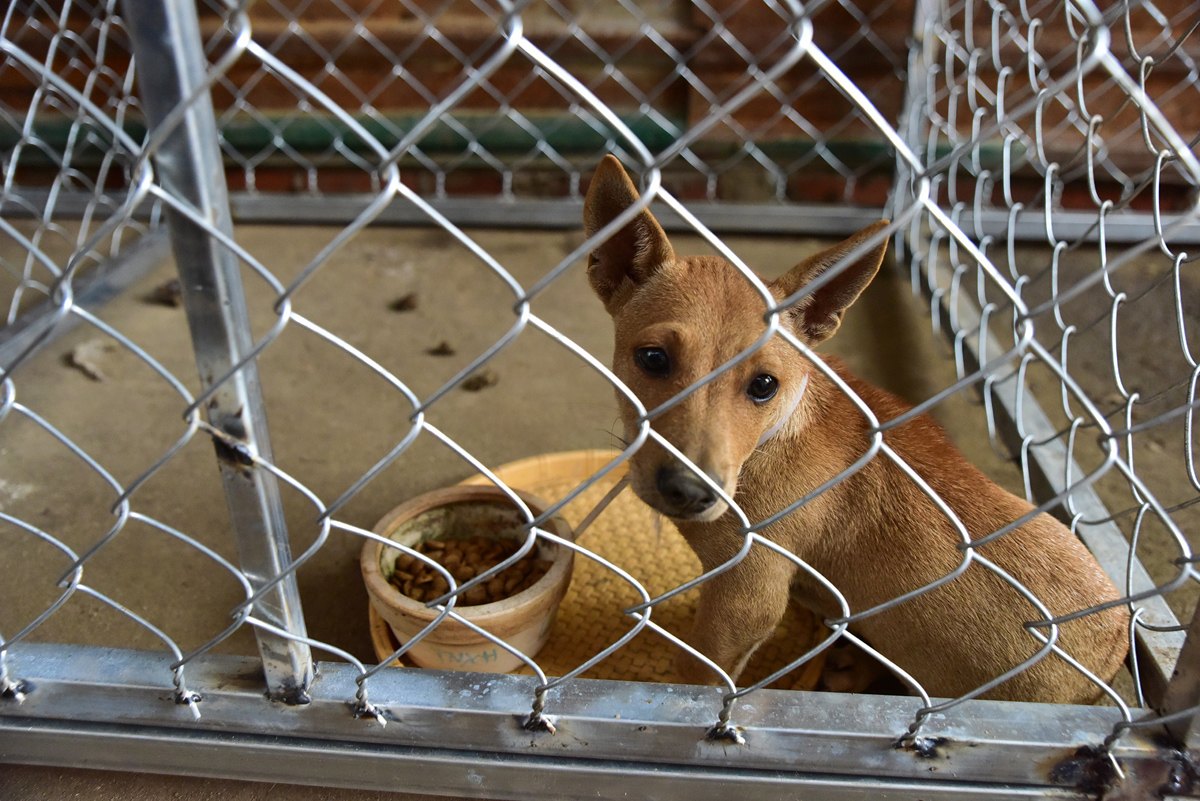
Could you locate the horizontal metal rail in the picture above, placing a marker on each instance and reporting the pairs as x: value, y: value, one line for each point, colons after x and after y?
x: 727, y: 218
x: 465, y: 774
x: 462, y: 733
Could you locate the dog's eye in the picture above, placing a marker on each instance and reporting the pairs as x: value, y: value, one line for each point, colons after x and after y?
x: 762, y: 387
x: 653, y: 360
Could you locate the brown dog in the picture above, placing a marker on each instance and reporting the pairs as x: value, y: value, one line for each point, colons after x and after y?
x: 875, y: 535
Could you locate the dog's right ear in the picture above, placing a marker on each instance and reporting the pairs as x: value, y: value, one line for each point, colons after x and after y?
x: 818, y: 315
x: 633, y: 253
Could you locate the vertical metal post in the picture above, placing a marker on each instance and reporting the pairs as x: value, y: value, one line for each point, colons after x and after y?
x: 170, y: 67
x: 1183, y: 691
x: 912, y: 124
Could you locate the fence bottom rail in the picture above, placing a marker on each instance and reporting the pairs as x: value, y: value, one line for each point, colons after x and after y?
x: 461, y: 734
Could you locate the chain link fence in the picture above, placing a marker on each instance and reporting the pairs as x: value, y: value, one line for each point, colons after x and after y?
x: 1078, y: 147
x: 1038, y: 165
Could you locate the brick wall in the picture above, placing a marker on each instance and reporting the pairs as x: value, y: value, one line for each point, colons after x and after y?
x: 386, y: 63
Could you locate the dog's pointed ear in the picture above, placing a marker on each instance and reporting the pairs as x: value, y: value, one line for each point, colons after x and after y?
x: 818, y: 315
x: 634, y: 252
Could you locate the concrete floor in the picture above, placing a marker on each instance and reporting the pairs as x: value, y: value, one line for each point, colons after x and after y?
x: 332, y: 419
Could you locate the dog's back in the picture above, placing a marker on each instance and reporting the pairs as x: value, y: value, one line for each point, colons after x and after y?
x: 880, y: 536
x: 771, y: 428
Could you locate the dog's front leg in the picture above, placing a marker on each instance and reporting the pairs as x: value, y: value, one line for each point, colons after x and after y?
x: 738, y: 611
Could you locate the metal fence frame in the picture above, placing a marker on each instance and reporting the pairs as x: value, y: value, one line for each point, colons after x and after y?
x: 606, y: 739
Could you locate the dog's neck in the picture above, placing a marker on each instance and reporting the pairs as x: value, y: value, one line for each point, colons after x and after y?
x: 821, y: 436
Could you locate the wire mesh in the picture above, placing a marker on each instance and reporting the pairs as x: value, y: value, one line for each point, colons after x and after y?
x: 1057, y: 123
x: 1063, y: 146
x: 522, y: 132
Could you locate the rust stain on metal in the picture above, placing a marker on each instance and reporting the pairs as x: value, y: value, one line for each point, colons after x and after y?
x: 926, y: 747
x: 231, y: 453
x: 537, y: 723
x: 1088, y: 769
x: 727, y: 734
x: 1181, y: 768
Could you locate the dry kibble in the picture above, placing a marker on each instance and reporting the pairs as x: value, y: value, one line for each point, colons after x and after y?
x: 465, y: 559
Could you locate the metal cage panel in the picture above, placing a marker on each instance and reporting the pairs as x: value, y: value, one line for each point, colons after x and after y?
x: 1037, y: 162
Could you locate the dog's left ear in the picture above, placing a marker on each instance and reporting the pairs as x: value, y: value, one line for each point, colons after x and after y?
x: 818, y: 315
x: 631, y: 254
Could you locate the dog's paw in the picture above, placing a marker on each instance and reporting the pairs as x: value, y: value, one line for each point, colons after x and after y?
x: 849, y: 669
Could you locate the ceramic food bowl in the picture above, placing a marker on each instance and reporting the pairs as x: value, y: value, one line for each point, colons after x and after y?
x: 459, y: 515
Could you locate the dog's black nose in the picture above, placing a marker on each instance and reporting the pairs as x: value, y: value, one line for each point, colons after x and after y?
x: 684, y: 491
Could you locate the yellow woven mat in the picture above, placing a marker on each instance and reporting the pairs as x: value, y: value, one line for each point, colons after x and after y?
x: 631, y: 535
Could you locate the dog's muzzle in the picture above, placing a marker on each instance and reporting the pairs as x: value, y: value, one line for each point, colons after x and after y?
x: 684, y: 493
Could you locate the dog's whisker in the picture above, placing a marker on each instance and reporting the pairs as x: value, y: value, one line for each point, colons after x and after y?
x: 617, y: 438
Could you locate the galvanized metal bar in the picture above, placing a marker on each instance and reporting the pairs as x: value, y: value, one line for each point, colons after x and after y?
x: 467, y: 728
x: 561, y: 213
x: 172, y: 67
x: 1078, y: 226
x: 462, y: 774
x: 793, y: 219
x: 1183, y: 691
x: 913, y: 122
